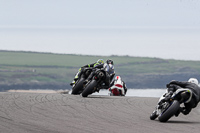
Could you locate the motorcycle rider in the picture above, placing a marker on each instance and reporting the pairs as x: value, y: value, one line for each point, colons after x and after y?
x: 109, y: 68
x: 193, y: 88
x: 98, y: 62
x: 118, y: 80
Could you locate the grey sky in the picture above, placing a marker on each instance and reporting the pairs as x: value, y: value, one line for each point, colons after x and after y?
x: 155, y: 28
x: 100, y: 12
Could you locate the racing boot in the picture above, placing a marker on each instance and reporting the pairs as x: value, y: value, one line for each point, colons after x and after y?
x: 178, y: 112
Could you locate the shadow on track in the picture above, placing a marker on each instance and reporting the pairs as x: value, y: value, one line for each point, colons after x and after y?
x: 183, y: 122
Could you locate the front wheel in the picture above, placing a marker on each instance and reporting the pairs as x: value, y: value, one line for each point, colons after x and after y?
x: 77, y: 89
x: 169, y: 112
x: 89, y: 88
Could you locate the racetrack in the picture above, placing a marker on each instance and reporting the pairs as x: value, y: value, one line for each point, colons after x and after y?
x: 63, y: 113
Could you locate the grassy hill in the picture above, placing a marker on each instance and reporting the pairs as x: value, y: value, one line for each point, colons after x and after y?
x: 32, y: 70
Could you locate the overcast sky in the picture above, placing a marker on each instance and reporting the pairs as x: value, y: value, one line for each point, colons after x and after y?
x: 100, y: 12
x: 159, y: 24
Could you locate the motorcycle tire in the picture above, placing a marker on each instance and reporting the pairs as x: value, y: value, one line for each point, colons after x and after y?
x: 89, y: 88
x: 169, y: 112
x: 78, y: 88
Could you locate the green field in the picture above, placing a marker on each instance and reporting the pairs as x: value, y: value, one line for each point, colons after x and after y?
x: 18, y: 67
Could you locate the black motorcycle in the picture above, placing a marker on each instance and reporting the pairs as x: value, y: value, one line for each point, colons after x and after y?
x: 78, y: 86
x: 170, y: 107
x: 100, y: 78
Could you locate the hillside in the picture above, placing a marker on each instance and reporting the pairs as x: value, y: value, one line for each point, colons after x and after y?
x: 32, y: 70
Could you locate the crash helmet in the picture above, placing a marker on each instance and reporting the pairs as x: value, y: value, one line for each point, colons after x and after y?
x: 109, y: 62
x: 109, y: 67
x: 117, y: 78
x: 193, y: 80
x: 100, y: 61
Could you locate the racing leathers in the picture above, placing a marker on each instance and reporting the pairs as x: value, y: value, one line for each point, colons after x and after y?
x: 79, y: 73
x: 195, y: 89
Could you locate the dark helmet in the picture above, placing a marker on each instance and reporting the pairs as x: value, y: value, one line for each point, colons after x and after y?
x: 109, y: 62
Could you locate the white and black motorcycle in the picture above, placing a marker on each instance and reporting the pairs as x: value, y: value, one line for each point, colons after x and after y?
x: 170, y: 107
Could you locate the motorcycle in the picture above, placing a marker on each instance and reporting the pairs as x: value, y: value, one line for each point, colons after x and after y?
x: 100, y: 77
x: 117, y: 89
x: 78, y: 86
x: 168, y: 108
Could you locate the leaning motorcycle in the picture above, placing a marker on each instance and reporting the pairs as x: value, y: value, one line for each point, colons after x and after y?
x: 168, y: 108
x: 78, y: 86
x: 100, y: 77
x: 117, y: 90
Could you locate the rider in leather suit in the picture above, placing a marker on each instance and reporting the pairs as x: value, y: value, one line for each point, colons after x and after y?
x: 192, y: 85
x: 99, y: 62
x: 119, y: 79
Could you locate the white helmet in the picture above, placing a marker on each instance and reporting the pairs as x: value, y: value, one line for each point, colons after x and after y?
x: 117, y: 78
x: 193, y: 80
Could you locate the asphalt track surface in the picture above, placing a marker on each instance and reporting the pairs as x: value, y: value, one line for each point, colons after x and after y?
x: 64, y: 113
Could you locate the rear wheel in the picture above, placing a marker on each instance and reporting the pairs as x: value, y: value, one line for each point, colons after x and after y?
x: 166, y: 115
x: 89, y: 88
x: 78, y: 88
